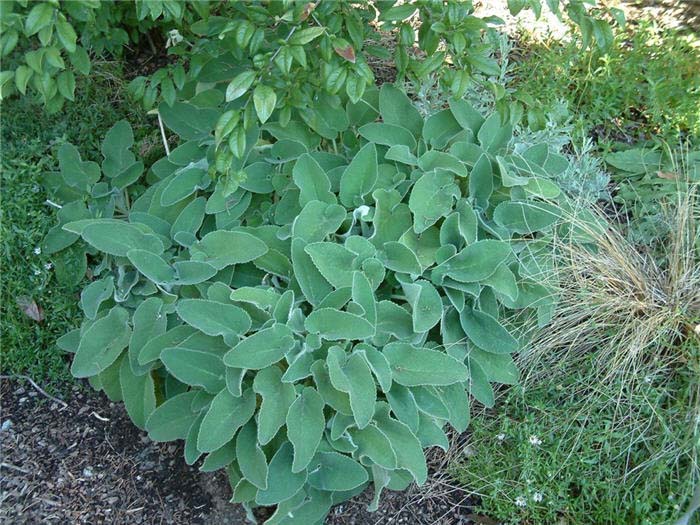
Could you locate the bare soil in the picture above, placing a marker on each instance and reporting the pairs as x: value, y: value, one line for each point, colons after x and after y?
x: 87, y: 463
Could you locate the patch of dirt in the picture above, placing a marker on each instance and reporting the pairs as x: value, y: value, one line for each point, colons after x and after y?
x: 147, y: 56
x: 87, y: 463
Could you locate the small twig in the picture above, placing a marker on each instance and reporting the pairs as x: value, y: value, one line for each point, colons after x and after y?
x: 12, y: 467
x: 52, y: 203
x: 36, y: 387
x: 49, y: 502
x: 162, y: 134
x: 99, y: 416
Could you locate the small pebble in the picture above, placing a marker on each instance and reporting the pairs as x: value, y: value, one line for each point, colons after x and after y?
x: 87, y: 472
x: 6, y: 425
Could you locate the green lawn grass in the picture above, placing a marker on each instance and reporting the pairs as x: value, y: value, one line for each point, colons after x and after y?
x: 546, y: 456
x: 29, y: 141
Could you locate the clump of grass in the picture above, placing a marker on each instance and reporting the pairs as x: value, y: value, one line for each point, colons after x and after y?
x: 629, y: 304
x: 606, y: 425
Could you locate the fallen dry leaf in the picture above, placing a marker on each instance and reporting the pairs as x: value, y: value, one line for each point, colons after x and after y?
x: 668, y: 175
x: 30, y: 308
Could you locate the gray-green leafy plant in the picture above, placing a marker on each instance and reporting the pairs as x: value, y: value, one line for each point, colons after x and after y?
x: 315, y: 323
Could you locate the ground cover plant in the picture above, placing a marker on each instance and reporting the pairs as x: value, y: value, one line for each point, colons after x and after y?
x: 357, y: 295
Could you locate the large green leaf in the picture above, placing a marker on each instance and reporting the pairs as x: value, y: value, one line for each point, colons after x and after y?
x: 312, y: 283
x: 277, y: 397
x: 214, y: 318
x: 151, y: 350
x: 102, y: 343
x: 334, y: 261
x: 40, y: 16
x: 487, y: 333
x: 400, y: 258
x: 149, y: 322
x: 335, y: 324
x: 388, y: 134
x: 75, y: 172
x: 225, y: 416
x: 474, y: 263
x: 152, y: 266
x: 138, y: 393
x: 251, y: 459
x: 264, y: 99
x: 526, y: 217
x: 374, y: 445
x: 359, y: 177
x: 116, y: 149
x: 432, y: 197
x: 186, y: 182
x: 336, y: 472
x: 118, y: 237
x: 312, y: 180
x: 195, y: 367
x: 317, y: 220
x: 305, y: 424
x: 282, y: 483
x: 353, y: 376
x: 439, y: 160
x: 363, y: 295
x: 189, y: 121
x: 94, y: 294
x: 261, y: 349
x: 396, y: 108
x: 468, y: 117
x: 426, y: 303
x: 222, y: 248
x: 408, y: 450
x: 413, y: 366
x: 172, y: 420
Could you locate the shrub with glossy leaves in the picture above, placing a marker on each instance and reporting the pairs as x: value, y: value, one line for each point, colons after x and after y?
x: 314, y: 324
x: 280, y: 53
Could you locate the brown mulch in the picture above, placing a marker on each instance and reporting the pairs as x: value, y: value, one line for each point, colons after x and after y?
x: 87, y: 463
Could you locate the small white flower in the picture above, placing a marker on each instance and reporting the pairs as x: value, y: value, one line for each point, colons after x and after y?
x: 37, y: 251
x: 37, y: 272
x: 48, y: 266
x: 501, y: 437
x: 534, y: 440
x: 520, y: 501
x: 537, y: 497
